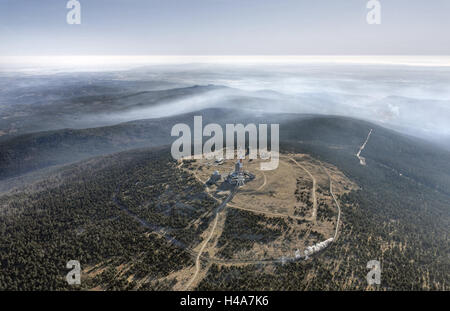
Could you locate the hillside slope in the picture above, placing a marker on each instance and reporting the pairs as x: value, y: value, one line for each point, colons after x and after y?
x: 400, y: 216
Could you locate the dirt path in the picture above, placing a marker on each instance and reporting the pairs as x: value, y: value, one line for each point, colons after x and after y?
x: 265, y: 181
x: 337, y: 204
x: 362, y: 160
x: 198, y: 178
x: 314, y: 213
x: 265, y: 212
x: 161, y: 231
x: 197, y: 260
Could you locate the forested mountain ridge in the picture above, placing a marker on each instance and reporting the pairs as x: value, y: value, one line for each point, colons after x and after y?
x: 400, y: 216
x: 410, y: 156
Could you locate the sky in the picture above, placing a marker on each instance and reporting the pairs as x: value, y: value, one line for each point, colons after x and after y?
x: 224, y: 27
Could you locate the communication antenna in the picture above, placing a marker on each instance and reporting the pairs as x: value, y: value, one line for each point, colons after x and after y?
x: 240, y: 180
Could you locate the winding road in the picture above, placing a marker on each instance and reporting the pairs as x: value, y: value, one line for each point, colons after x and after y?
x: 264, y: 183
x: 266, y: 212
x: 314, y: 213
x: 335, y: 201
x: 154, y: 228
x: 362, y: 160
x: 217, y: 211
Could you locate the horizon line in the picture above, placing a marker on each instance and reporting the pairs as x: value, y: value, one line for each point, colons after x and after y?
x: 130, y: 61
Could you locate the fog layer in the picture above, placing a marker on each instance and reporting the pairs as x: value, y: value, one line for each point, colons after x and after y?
x: 413, y: 99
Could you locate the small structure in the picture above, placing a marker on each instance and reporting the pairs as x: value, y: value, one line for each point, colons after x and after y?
x: 317, y: 247
x: 215, y: 177
x: 240, y: 180
x: 239, y: 166
x: 239, y: 177
x: 218, y: 161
